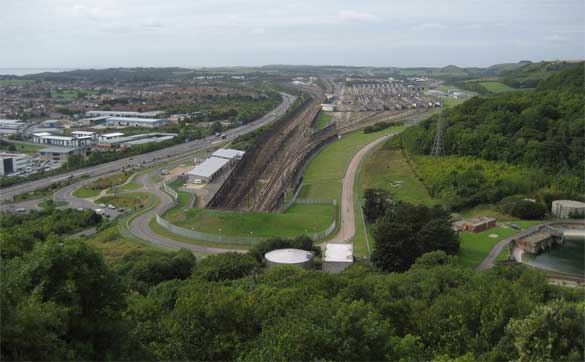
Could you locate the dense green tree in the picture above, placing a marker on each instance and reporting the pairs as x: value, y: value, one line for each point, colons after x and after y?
x: 226, y: 266
x: 377, y: 201
x: 407, y: 232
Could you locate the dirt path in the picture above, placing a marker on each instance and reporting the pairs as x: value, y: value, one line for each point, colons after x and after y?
x: 347, y: 228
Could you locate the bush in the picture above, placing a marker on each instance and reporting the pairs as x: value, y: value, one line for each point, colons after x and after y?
x: 226, y: 266
x: 525, y: 209
x: 377, y: 127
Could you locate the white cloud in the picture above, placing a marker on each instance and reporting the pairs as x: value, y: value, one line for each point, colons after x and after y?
x: 357, y: 16
x: 429, y: 26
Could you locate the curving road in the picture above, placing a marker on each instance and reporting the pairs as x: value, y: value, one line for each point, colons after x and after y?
x: 163, y: 154
x: 347, y: 225
x: 140, y: 225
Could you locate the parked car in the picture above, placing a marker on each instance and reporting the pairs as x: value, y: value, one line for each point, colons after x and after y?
x: 21, y: 209
x: 102, y: 205
x: 112, y: 207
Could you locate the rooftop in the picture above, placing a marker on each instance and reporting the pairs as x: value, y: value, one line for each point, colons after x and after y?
x: 288, y: 256
x: 11, y: 155
x: 228, y: 153
x: 89, y: 133
x: 340, y: 253
x: 135, y: 119
x: 114, y: 134
x: 208, y: 167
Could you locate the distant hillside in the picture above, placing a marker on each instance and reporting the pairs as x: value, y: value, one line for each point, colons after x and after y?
x: 542, y: 128
x: 113, y: 74
x: 529, y: 75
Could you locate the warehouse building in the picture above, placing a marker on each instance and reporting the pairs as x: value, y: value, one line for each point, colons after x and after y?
x: 337, y: 257
x: 11, y: 126
x: 291, y: 257
x: 229, y: 154
x: 150, y: 114
x: 45, y: 138
x: 328, y: 107
x: 59, y: 153
x: 83, y: 135
x: 12, y: 163
x: 207, y: 170
x: 566, y: 209
x: 135, y: 122
x: 109, y: 137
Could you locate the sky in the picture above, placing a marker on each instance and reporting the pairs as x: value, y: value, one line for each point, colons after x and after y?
x: 197, y: 33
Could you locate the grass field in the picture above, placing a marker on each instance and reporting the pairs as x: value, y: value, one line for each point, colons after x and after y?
x: 298, y: 220
x: 324, y: 174
x: 475, y: 247
x: 26, y: 148
x: 322, y: 120
x: 131, y: 200
x: 496, y: 87
x: 94, y: 188
x: 385, y: 168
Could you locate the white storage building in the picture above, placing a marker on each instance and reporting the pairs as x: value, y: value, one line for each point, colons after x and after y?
x: 337, y: 257
x: 228, y: 153
x: 123, y: 114
x: 207, y: 170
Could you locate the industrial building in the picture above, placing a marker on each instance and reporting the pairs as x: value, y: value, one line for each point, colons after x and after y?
x: 59, y: 153
x: 109, y: 137
x: 150, y: 114
x: 229, y: 154
x: 46, y: 138
x: 337, y: 257
x: 566, y: 209
x: 84, y: 134
x: 11, y: 126
x: 475, y: 225
x: 11, y: 163
x: 135, y: 122
x: 292, y: 257
x: 207, y: 170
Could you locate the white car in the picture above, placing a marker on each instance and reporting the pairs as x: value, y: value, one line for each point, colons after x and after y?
x: 102, y: 205
x: 112, y: 207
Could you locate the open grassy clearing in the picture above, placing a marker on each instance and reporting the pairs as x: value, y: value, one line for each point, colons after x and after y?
x: 496, y: 87
x: 324, y: 174
x: 131, y: 200
x: 27, y: 148
x: 94, y: 188
x: 476, y: 246
x: 322, y: 120
x: 298, y: 220
x: 389, y: 170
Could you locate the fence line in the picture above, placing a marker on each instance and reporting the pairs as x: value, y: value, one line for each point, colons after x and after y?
x: 170, y: 191
x: 224, y: 239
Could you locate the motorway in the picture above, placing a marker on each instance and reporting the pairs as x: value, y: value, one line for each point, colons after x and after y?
x: 180, y: 150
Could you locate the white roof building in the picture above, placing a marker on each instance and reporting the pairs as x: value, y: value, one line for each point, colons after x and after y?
x: 135, y: 122
x: 296, y: 257
x: 228, y: 153
x: 207, y: 170
x: 337, y: 257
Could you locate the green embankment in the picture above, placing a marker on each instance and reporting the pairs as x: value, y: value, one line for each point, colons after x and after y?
x: 298, y: 220
x: 94, y: 188
x: 322, y: 120
x: 130, y: 200
x: 496, y: 87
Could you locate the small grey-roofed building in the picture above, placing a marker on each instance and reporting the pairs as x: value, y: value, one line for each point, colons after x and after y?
x: 337, y: 257
x: 207, y: 170
x: 60, y: 153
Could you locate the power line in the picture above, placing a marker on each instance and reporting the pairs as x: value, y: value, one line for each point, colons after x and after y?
x: 437, y: 149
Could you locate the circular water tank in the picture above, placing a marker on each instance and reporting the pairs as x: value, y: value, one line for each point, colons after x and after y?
x: 294, y: 257
x: 563, y: 209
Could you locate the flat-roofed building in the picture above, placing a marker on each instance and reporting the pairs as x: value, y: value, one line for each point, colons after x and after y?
x: 83, y: 134
x: 11, y: 126
x: 328, y: 107
x: 12, y: 163
x: 229, y: 154
x: 45, y: 138
x: 337, y: 257
x: 207, y: 170
x: 475, y: 225
x: 135, y: 122
x: 109, y: 137
x: 60, y: 153
x: 149, y: 114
